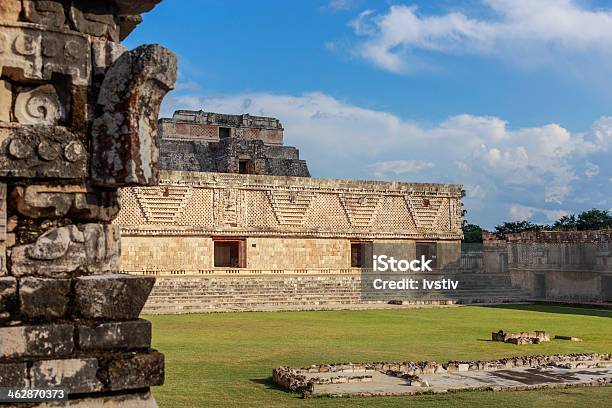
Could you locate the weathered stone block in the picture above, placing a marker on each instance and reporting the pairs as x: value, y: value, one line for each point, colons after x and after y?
x: 36, y: 341
x: 105, y: 53
x: 95, y: 18
x: 48, y: 13
x: 89, y: 248
x: 36, y: 53
x: 6, y: 96
x: 115, y: 336
x: 125, y: 146
x: 8, y: 296
x: 9, y: 10
x: 76, y: 375
x: 114, y: 297
x: 41, y: 151
x: 13, y: 375
x: 134, y: 371
x: 80, y: 202
x: 43, y: 298
x: 40, y: 106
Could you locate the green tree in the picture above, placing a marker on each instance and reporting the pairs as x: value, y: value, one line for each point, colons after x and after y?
x: 472, y: 233
x: 516, y: 226
x: 565, y: 223
x: 594, y: 219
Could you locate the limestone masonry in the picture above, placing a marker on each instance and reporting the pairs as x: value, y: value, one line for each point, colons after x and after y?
x: 214, y: 142
x: 78, y: 120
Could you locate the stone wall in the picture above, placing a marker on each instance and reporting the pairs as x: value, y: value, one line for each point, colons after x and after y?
x: 296, y: 235
x: 78, y: 115
x: 192, y: 253
x: 213, y: 142
x: 572, y: 266
x: 217, y: 290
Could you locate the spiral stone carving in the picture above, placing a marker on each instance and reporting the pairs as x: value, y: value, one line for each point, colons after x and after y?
x: 39, y: 106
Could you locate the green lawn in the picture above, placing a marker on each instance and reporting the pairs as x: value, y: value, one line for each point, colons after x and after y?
x: 226, y: 359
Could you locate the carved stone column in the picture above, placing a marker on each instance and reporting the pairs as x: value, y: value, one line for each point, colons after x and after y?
x: 78, y: 117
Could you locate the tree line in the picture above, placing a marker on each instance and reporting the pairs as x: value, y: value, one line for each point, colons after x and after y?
x: 593, y: 219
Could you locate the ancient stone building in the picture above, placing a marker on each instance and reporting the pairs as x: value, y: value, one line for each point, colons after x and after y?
x: 214, y: 142
x: 78, y: 120
x: 568, y: 266
x: 222, y: 241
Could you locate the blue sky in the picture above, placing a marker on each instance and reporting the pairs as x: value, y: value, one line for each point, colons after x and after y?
x: 512, y: 98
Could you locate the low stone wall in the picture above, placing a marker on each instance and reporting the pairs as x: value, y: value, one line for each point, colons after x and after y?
x: 267, y: 290
x: 300, y: 379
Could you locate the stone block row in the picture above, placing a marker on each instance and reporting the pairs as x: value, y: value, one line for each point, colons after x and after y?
x: 63, y: 340
x: 85, y: 375
x: 110, y: 297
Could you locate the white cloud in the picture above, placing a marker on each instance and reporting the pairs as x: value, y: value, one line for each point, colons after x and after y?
x: 534, y: 167
x: 341, y: 4
x: 383, y: 168
x: 591, y: 169
x: 519, y: 212
x: 525, y: 31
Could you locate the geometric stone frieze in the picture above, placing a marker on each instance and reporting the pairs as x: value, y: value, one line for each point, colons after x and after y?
x: 424, y: 210
x: 290, y: 206
x: 163, y: 204
x: 360, y: 209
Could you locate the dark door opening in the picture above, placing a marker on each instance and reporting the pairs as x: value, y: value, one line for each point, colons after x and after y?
x: 361, y: 254
x: 606, y: 283
x: 224, y: 132
x: 540, y: 286
x: 429, y: 250
x: 229, y: 254
x: 246, y: 167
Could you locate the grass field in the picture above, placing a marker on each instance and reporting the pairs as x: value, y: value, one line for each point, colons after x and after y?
x: 226, y: 359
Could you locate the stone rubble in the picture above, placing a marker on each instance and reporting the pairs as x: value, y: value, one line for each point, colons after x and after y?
x: 534, y: 337
x: 302, y: 381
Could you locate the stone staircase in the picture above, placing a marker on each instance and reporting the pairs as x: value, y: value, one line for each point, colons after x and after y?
x: 192, y: 294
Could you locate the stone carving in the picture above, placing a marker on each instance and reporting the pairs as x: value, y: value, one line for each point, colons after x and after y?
x: 360, y: 209
x: 226, y: 207
x: 27, y: 53
x: 125, y: 148
x: 252, y: 204
x: 6, y: 101
x: 163, y: 204
x: 104, y: 54
x: 39, y: 106
x: 290, y: 206
x: 41, y: 151
x: 47, y: 13
x: 67, y: 318
x: 95, y: 18
x: 80, y: 202
x: 61, y: 252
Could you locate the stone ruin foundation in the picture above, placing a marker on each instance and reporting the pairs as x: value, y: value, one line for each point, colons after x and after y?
x: 78, y: 118
x: 533, y: 337
x: 412, y: 378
